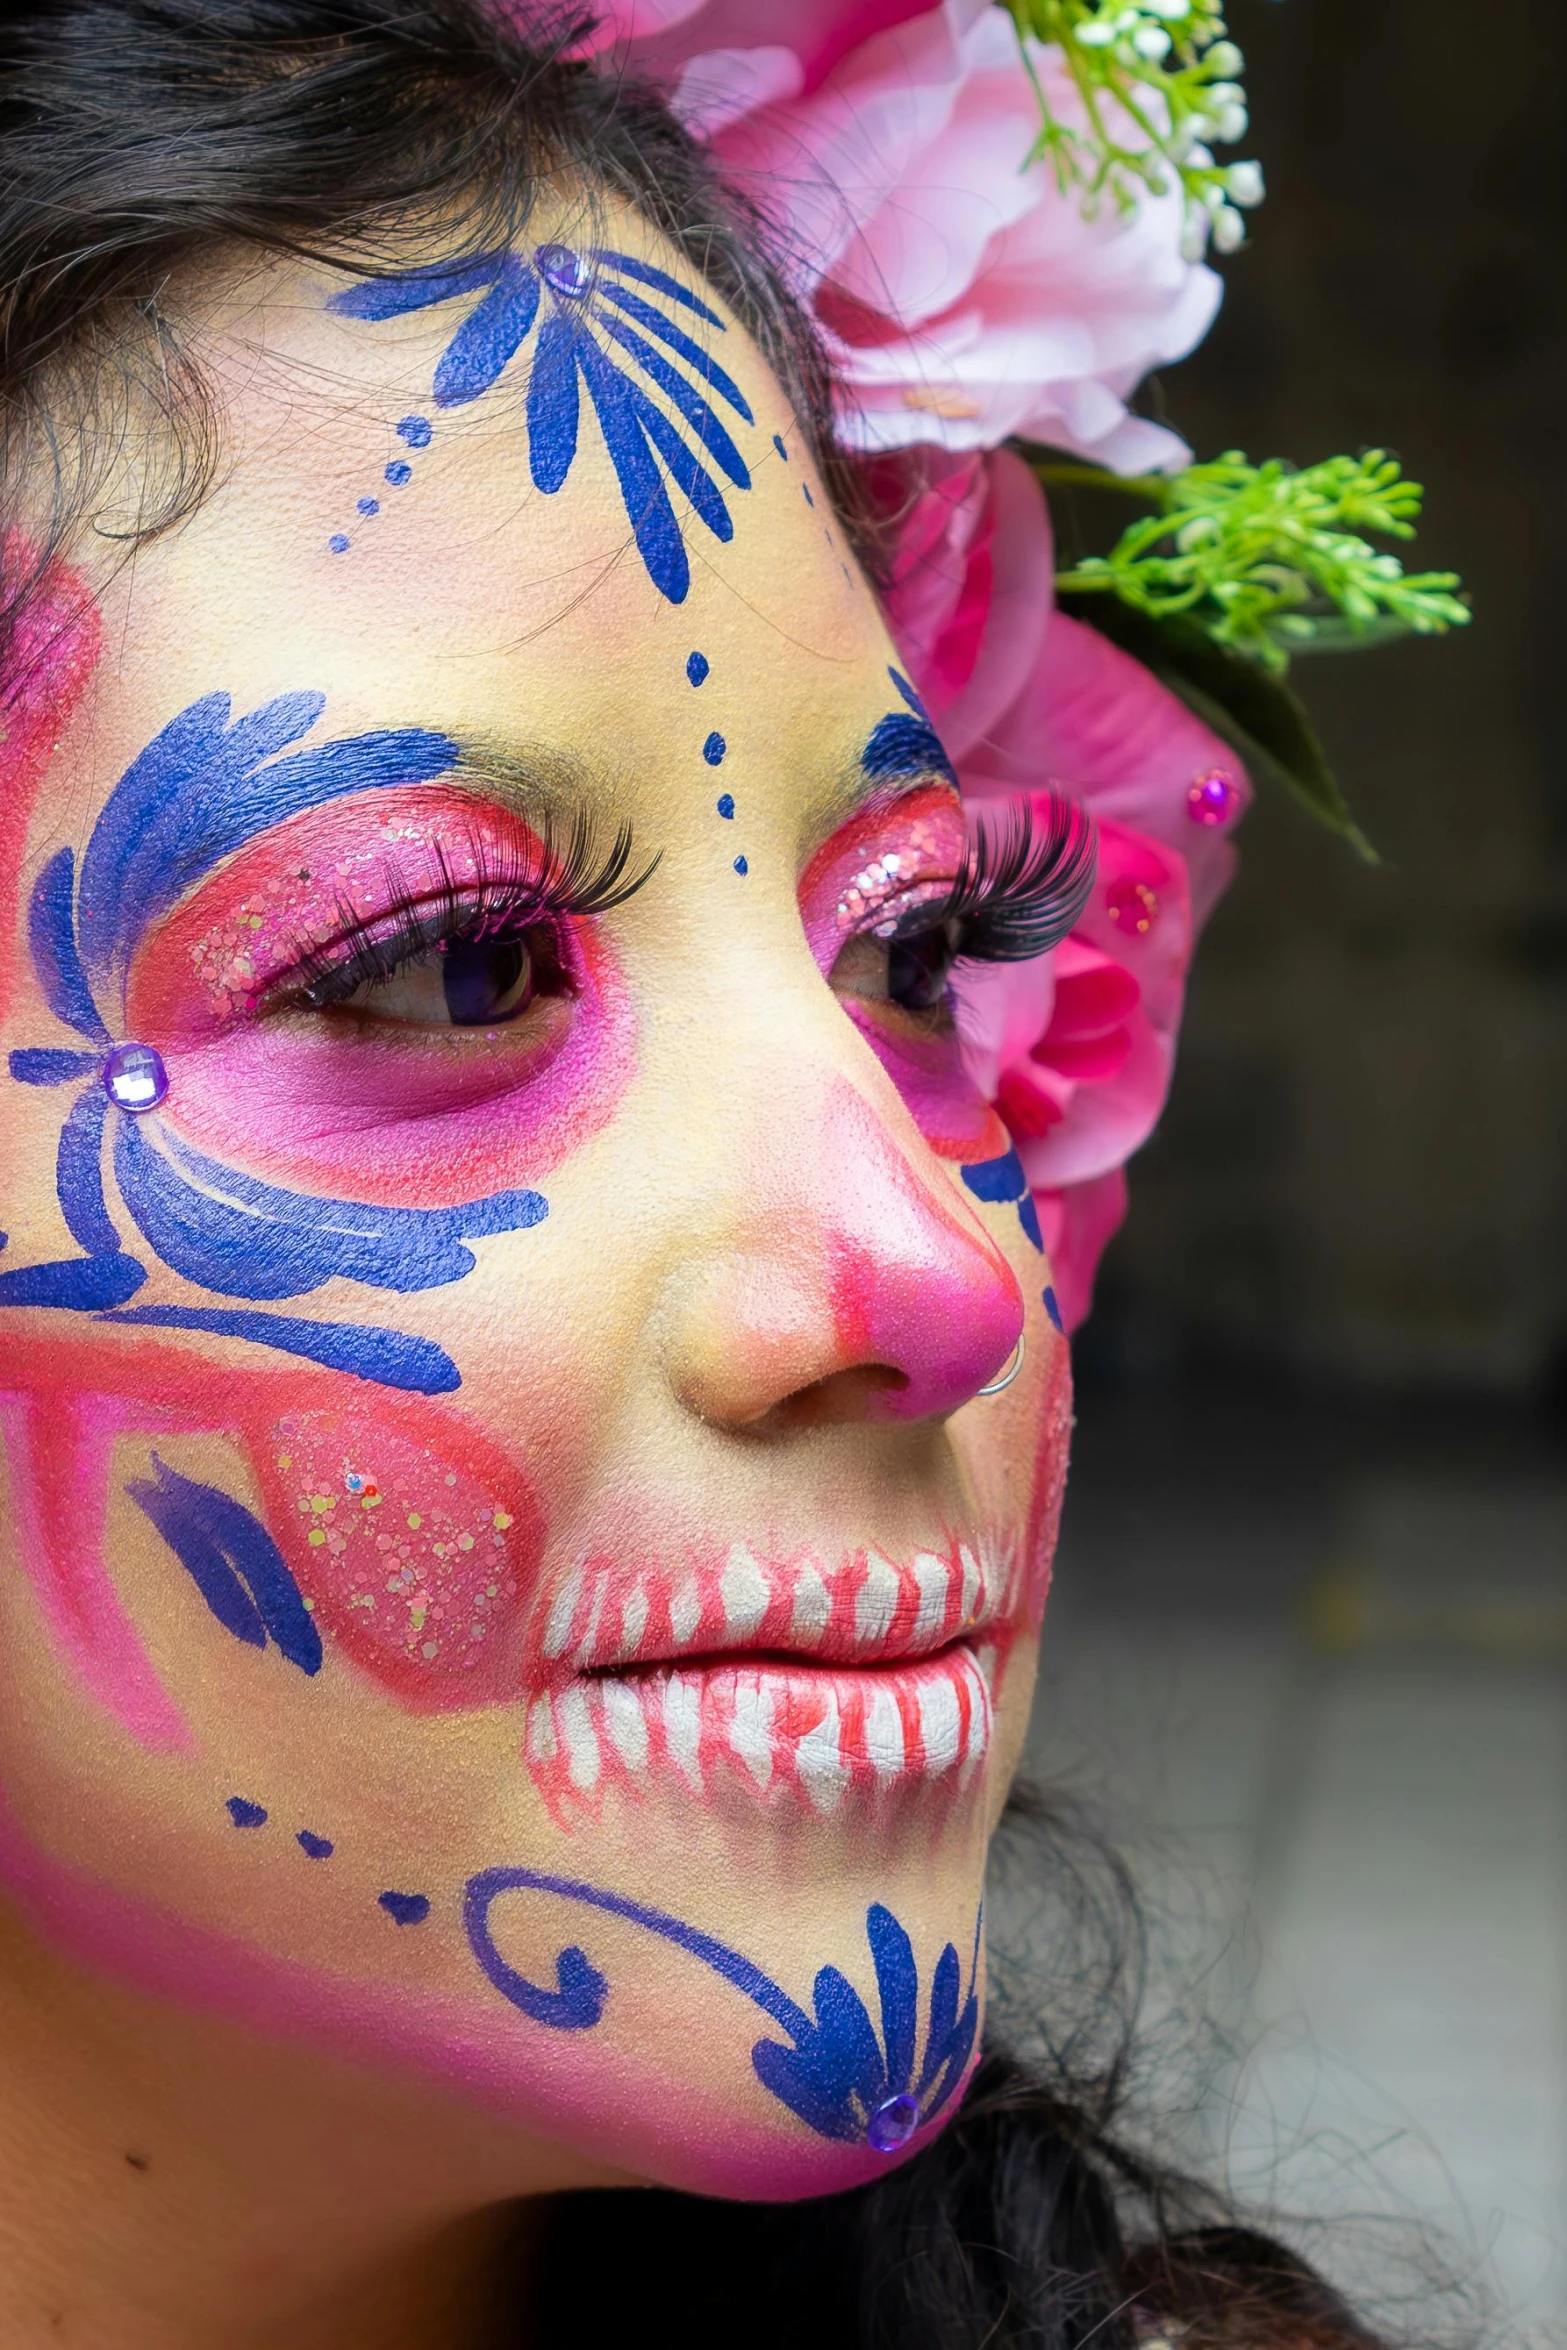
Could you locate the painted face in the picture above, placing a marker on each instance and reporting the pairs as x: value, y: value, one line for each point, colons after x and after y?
x: 509, y: 1577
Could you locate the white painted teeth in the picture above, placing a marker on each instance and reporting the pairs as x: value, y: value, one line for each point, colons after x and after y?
x: 583, y: 1760
x: 557, y: 1631
x: 744, y: 1591
x: 933, y: 1581
x: 625, y: 1723
x: 633, y: 1622
x: 812, y: 1612
x: 884, y: 1734
x: 941, y: 1724
x: 685, y: 1611
x: 683, y: 1727
x: 973, y: 1583
x: 876, y: 1601
x: 819, y: 1760
x: 751, y: 1730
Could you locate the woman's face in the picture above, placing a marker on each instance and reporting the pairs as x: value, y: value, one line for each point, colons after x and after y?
x: 509, y: 1577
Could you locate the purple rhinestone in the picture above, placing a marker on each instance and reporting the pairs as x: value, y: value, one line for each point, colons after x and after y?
x: 1212, y: 798
x: 892, y: 2124
x: 134, y: 1077
x: 562, y: 270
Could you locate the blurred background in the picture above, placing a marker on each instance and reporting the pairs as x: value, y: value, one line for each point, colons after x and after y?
x: 1309, y: 1636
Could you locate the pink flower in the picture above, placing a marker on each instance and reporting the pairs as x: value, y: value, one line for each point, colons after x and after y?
x: 964, y: 298
x: 1077, y: 1048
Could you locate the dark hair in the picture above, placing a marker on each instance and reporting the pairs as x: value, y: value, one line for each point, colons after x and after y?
x: 136, y: 137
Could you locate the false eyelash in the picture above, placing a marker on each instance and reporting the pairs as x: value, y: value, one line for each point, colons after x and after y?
x: 552, y: 877
x: 1022, y: 884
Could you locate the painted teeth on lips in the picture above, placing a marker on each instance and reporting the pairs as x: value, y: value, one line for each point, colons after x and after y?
x: 870, y: 1609
x: 784, y: 1732
x: 802, y: 1683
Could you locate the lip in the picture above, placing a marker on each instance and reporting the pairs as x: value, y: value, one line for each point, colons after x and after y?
x: 789, y: 1683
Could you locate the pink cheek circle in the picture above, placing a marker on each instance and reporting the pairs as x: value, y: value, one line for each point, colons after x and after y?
x: 406, y: 1116
x: 871, y: 861
x: 416, y: 1559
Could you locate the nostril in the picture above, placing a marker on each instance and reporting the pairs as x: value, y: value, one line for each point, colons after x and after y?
x: 863, y: 1393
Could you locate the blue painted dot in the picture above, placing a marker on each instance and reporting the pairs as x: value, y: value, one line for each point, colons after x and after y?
x: 406, y: 1909
x: 806, y: 488
x: 398, y: 472
x: 246, y: 1815
x: 713, y: 750
x: 415, y: 430
x: 318, y: 1847
x: 1053, y: 1309
x: 779, y: 446
x: 697, y: 668
x: 726, y: 805
x: 369, y: 505
x: 741, y: 865
x: 337, y: 543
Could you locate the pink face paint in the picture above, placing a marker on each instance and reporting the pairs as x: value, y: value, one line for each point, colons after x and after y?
x: 417, y: 1554
x: 400, y: 1113
x: 52, y: 654
x: 880, y: 867
x: 592, y: 2091
x: 435, y: 1615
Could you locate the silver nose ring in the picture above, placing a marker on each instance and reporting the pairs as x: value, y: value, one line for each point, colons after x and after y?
x: 1008, y: 1375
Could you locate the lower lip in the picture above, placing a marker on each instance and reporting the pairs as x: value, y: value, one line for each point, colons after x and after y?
x: 777, y: 1731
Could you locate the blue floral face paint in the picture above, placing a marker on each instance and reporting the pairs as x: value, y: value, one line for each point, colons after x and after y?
x: 836, y: 2073
x: 202, y: 789
x: 608, y: 325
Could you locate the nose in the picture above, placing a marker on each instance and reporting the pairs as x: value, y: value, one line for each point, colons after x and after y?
x: 841, y: 1284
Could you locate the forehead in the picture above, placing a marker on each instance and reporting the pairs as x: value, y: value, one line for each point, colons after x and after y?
x: 546, y: 495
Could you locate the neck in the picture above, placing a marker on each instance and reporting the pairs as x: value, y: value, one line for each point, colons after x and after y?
x: 169, y: 2182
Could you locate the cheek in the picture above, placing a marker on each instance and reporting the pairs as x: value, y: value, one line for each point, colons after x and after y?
x: 416, y: 1550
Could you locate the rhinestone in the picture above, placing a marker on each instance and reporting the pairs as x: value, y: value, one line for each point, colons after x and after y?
x: 562, y: 270
x: 892, y: 2124
x: 1212, y: 798
x: 135, y: 1078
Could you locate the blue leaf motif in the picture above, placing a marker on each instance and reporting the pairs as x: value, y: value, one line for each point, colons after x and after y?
x: 203, y: 787
x: 606, y: 326
x: 242, y: 1237
x: 835, y: 2074
x: 233, y: 1562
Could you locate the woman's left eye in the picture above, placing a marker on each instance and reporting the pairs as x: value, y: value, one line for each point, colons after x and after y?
x: 910, y: 970
x: 455, y: 983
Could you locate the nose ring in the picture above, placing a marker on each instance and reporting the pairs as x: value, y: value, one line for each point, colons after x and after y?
x: 1008, y: 1375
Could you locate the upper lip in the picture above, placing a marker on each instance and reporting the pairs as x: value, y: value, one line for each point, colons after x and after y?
x: 870, y: 1607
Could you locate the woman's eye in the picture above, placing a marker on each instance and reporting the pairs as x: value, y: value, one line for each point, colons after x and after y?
x: 911, y: 972
x: 459, y: 983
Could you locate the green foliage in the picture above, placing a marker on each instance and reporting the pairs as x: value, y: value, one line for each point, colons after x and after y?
x: 1155, y: 85
x: 1268, y: 561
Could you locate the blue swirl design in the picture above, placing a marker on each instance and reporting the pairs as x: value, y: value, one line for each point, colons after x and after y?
x: 200, y: 790
x: 610, y: 325
x: 836, y: 2071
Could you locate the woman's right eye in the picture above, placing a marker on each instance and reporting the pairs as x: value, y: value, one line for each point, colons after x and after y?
x: 457, y: 982
x: 911, y: 972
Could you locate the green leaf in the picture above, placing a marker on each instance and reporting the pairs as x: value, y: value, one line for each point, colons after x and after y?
x: 1250, y: 708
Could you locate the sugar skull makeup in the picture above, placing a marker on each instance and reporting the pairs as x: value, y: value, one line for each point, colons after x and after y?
x: 522, y: 1562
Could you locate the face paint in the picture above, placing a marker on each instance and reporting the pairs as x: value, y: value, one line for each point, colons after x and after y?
x: 405, y: 1113
x: 611, y: 325
x: 881, y: 866
x: 876, y: 1688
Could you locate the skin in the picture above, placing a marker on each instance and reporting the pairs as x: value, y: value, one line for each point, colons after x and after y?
x: 243, y: 2104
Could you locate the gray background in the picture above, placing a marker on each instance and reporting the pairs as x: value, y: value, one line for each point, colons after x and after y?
x: 1310, y: 1627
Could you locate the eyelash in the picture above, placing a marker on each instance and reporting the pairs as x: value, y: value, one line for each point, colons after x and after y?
x: 1022, y: 885
x: 512, y: 889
